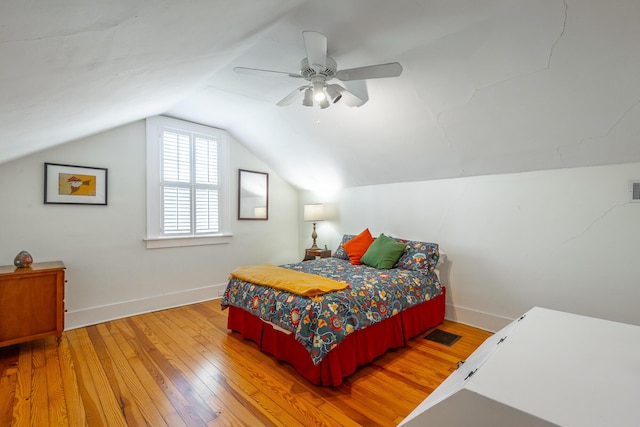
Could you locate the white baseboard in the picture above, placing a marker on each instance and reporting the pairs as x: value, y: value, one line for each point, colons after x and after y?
x: 104, y: 313
x: 479, y: 319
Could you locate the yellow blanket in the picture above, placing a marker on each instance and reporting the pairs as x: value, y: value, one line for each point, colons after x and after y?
x: 296, y: 282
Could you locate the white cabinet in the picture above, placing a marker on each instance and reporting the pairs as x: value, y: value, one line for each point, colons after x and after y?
x: 547, y: 368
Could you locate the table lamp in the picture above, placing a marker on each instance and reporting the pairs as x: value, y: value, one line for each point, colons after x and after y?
x: 314, y: 213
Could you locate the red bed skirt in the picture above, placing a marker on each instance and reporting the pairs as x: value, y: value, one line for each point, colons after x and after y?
x: 356, y: 349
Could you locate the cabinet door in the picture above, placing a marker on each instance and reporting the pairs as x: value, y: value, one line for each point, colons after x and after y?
x: 28, y: 306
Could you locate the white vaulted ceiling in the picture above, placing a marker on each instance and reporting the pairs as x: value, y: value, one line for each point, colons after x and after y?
x: 488, y: 86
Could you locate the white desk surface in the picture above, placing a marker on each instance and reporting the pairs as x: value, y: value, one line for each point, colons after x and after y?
x: 567, y: 369
x: 552, y: 368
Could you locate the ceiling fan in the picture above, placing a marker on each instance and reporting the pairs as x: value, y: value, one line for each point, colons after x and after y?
x: 319, y: 69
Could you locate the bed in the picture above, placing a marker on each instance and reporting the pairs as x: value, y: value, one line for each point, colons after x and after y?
x: 326, y: 337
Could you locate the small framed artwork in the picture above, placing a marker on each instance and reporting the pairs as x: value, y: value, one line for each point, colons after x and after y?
x: 74, y: 185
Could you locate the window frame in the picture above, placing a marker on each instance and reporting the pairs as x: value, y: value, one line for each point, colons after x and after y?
x: 155, y: 237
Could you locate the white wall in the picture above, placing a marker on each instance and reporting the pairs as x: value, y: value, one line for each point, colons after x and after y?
x: 110, y: 273
x: 565, y: 239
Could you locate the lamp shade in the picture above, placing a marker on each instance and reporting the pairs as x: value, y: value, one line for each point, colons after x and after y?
x: 314, y: 212
x: 334, y: 93
x: 308, y: 98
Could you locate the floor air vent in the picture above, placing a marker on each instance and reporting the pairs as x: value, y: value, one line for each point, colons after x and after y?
x: 443, y: 337
x: 635, y: 191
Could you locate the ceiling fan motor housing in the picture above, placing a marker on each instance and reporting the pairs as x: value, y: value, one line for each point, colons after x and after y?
x: 328, y: 72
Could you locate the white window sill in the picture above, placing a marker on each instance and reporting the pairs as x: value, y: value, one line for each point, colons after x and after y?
x: 178, y: 241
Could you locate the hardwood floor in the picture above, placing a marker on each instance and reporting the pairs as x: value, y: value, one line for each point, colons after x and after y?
x: 182, y: 367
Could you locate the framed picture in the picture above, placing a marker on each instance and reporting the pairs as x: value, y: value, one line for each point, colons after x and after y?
x: 75, y: 185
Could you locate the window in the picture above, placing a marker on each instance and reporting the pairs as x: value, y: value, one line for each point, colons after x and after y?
x: 187, y: 184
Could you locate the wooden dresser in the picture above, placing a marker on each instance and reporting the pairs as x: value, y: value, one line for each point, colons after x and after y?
x: 31, y: 302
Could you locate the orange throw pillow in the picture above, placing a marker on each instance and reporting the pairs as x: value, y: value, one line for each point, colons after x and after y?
x: 357, y: 246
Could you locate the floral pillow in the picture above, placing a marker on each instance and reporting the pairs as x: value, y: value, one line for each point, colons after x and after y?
x: 419, y: 255
x: 340, y: 252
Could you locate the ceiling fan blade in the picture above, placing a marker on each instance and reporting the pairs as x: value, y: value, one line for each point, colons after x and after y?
x: 258, y: 71
x: 291, y: 97
x: 315, y: 44
x: 393, y: 69
x: 348, y: 97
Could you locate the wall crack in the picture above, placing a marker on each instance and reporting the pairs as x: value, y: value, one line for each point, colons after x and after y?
x: 564, y: 26
x: 613, y: 126
x: 546, y: 68
x: 594, y: 222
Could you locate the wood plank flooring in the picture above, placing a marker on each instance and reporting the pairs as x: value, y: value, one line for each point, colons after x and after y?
x: 182, y: 367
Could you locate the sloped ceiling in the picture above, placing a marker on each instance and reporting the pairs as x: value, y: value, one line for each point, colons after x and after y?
x: 488, y: 86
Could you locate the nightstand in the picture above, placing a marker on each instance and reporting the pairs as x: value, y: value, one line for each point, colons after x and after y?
x: 313, y: 253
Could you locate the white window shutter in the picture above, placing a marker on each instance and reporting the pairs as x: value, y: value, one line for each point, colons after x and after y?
x: 206, y: 161
x: 187, y: 184
x: 190, y: 184
x: 206, y: 213
x: 177, y: 210
x: 176, y: 157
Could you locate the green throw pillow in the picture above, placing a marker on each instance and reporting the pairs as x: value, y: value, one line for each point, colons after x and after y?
x: 383, y: 253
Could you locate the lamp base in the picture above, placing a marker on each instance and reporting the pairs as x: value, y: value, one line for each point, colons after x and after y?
x: 314, y: 236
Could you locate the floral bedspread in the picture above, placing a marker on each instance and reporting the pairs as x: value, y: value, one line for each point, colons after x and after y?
x: 320, y: 323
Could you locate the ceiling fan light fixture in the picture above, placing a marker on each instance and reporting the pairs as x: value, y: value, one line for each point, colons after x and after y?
x: 308, y: 98
x: 334, y: 93
x: 324, y: 103
x: 318, y: 89
x: 317, y: 68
